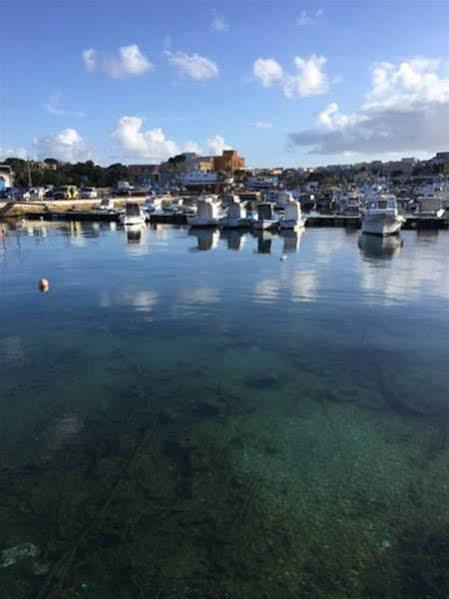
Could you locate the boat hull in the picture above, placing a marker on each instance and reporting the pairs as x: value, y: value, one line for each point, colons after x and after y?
x: 132, y: 220
x: 382, y: 224
x: 264, y: 224
x: 194, y: 221
x: 292, y: 224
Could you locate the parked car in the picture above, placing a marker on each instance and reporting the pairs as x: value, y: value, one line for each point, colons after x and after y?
x: 89, y: 193
x: 65, y: 192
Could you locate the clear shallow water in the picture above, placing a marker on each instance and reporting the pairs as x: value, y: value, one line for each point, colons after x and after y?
x: 189, y: 416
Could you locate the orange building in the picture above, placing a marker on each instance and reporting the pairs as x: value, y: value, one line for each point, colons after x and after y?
x: 228, y: 162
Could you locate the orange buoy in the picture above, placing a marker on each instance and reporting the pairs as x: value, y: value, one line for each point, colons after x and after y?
x: 44, y: 285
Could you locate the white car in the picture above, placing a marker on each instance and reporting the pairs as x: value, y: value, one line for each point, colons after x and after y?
x: 89, y: 193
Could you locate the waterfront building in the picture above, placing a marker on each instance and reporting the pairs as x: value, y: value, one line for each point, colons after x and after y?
x: 229, y: 162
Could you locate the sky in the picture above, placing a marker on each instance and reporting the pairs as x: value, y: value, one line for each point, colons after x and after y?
x: 285, y: 83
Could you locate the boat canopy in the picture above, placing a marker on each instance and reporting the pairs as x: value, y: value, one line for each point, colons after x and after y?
x: 293, y: 210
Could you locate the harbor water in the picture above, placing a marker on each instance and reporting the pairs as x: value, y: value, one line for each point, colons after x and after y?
x: 205, y: 414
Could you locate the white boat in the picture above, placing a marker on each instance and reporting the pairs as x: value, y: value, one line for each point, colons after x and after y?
x: 235, y: 216
x: 430, y: 206
x: 293, y: 218
x: 133, y: 215
x: 153, y: 204
x: 382, y: 217
x: 266, y: 218
x: 106, y: 205
x: 208, y: 214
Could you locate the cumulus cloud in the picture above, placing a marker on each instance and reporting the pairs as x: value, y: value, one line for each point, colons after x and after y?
x: 54, y: 106
x: 90, y: 59
x: 308, y: 19
x: 268, y: 71
x: 220, y: 24
x: 217, y: 145
x: 263, y: 125
x: 67, y: 146
x: 194, y: 66
x: 192, y: 146
x: 13, y: 153
x: 308, y: 80
x: 151, y: 144
x: 405, y: 110
x: 129, y: 62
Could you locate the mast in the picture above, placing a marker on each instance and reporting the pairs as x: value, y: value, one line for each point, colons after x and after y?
x: 29, y: 174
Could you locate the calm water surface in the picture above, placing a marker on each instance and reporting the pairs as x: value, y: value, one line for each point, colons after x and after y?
x: 188, y: 416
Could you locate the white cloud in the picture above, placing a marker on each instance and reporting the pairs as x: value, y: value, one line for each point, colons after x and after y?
x: 332, y: 118
x: 67, y: 145
x: 195, y: 66
x: 220, y: 24
x: 90, y: 59
x: 151, y: 144
x: 305, y: 19
x: 131, y: 62
x: 309, y: 79
x: 268, y: 71
x: 217, y: 145
x: 263, y: 125
x: 54, y: 106
x: 192, y: 146
x: 405, y: 110
x: 13, y: 153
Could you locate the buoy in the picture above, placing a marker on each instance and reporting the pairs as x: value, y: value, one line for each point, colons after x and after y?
x: 43, y: 285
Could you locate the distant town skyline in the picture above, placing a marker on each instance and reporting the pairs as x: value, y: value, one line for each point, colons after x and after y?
x: 283, y: 83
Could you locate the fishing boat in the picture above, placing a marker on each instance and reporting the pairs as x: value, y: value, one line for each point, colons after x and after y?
x: 266, y: 218
x: 106, y: 205
x: 382, y: 217
x: 236, y: 216
x: 133, y: 215
x: 430, y: 206
x: 207, y: 213
x: 292, y: 218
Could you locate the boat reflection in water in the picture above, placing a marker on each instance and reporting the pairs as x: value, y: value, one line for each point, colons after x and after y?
x: 235, y: 238
x: 264, y: 239
x: 207, y: 239
x: 383, y: 248
x: 292, y: 239
x: 134, y: 234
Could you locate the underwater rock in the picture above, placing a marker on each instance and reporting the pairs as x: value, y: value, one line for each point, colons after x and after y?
x: 17, y: 553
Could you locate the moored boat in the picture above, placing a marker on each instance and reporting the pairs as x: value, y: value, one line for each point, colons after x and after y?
x: 207, y: 214
x: 382, y: 217
x: 133, y: 215
x: 293, y: 217
x: 236, y: 216
x: 266, y: 218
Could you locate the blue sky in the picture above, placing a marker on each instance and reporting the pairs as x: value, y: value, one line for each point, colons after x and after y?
x: 284, y: 83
